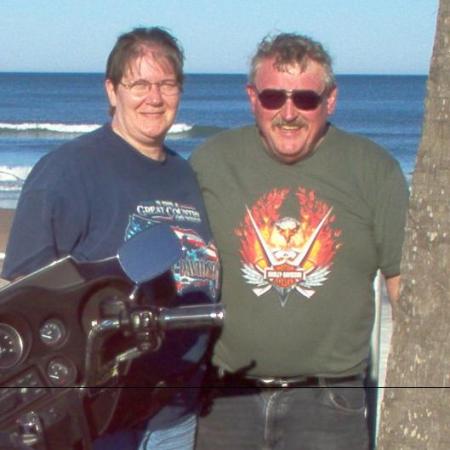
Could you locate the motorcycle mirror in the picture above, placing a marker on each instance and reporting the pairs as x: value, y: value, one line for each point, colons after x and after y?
x: 149, y: 253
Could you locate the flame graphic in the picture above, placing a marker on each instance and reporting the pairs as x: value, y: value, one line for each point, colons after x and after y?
x: 312, y: 210
x: 265, y: 213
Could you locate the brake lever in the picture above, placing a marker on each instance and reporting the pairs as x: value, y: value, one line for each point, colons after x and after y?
x: 93, y: 344
x: 138, y: 322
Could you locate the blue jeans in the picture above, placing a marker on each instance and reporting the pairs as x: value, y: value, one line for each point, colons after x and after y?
x: 178, y: 437
x: 312, y: 418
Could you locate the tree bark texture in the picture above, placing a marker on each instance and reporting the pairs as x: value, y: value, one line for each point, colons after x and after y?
x: 416, y: 406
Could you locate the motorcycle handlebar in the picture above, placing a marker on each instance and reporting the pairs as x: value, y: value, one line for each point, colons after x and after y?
x: 195, y: 316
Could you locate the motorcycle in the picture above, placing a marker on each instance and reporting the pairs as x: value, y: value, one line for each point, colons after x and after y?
x: 68, y: 334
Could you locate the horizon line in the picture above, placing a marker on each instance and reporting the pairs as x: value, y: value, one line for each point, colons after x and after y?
x: 67, y: 72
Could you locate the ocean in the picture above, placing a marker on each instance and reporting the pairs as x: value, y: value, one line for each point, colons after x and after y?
x: 40, y: 111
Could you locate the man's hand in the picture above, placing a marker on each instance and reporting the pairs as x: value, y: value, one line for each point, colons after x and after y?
x: 393, y: 288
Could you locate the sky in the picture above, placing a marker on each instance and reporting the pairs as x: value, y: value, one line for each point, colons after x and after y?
x: 362, y: 36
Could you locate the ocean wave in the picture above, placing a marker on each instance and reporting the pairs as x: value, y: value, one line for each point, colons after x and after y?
x: 194, y: 132
x: 16, y: 174
x: 180, y: 128
x: 68, y: 131
x: 47, y: 127
x: 11, y: 180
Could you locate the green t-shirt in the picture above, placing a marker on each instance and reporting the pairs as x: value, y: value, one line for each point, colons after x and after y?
x: 300, y: 245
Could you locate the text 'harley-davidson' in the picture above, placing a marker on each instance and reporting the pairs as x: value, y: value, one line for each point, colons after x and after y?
x: 68, y: 334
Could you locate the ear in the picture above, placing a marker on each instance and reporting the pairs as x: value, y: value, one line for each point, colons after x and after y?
x: 111, y: 93
x: 331, y: 101
x: 253, y: 97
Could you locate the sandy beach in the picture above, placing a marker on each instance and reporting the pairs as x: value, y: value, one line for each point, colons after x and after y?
x: 6, y: 216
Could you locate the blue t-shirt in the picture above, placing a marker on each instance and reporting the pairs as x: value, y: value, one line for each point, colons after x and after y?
x: 93, y: 193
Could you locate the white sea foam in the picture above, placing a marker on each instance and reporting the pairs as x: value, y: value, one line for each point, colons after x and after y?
x: 14, y: 174
x: 54, y: 127
x: 72, y: 128
x: 180, y: 128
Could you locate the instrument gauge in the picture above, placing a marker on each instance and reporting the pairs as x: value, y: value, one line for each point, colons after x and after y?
x: 11, y: 346
x: 52, y: 332
x: 61, y: 372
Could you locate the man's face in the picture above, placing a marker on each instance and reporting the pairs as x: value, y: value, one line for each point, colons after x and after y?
x: 143, y: 120
x: 289, y: 132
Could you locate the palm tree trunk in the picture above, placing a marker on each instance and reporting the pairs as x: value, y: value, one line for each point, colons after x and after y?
x: 416, y: 406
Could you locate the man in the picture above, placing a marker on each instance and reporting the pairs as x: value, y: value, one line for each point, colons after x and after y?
x: 303, y: 215
x: 96, y: 191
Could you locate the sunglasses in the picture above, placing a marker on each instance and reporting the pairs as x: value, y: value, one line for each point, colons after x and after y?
x: 276, y: 98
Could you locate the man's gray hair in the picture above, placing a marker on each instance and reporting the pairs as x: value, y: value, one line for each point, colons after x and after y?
x: 289, y: 49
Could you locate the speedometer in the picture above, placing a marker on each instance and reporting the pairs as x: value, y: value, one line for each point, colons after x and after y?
x: 11, y: 346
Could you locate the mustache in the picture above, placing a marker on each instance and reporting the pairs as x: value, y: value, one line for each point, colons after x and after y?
x: 297, y: 122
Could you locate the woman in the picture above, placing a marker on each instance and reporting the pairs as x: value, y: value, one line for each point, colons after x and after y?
x: 100, y: 189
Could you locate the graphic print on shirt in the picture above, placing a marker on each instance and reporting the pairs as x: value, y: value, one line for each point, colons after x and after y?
x: 287, y: 253
x: 198, y: 266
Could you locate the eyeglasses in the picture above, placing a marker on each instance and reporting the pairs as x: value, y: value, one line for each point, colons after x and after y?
x: 302, y: 99
x: 143, y: 87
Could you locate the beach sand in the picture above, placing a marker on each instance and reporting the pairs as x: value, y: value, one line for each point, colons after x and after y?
x: 6, y: 216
